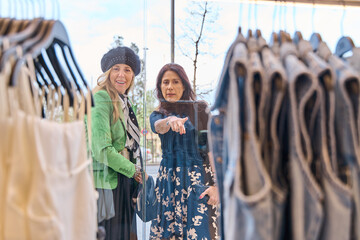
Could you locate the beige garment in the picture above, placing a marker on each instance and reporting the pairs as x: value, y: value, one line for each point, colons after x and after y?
x: 62, y: 179
x: 19, y: 179
x: 6, y: 127
x: 50, y: 192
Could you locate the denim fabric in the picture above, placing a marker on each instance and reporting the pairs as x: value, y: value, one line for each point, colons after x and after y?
x: 273, y: 159
x: 217, y: 128
x: 221, y: 96
x: 248, y: 213
x: 216, y: 144
x: 354, y: 60
x: 306, y: 195
x: 261, y: 94
x: 337, y: 195
x: 347, y: 130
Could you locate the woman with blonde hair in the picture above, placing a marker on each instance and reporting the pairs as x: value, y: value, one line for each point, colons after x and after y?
x: 115, y: 143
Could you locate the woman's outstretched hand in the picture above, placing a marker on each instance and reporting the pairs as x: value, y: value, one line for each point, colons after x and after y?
x: 213, y: 194
x: 177, y: 124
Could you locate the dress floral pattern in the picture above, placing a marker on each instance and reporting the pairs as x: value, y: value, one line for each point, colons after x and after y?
x: 183, y: 175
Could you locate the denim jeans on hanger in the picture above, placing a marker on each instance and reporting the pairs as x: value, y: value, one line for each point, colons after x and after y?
x: 306, y: 195
x: 216, y: 145
x: 273, y: 157
x: 347, y: 131
x: 248, y: 213
x: 217, y: 124
x: 337, y: 195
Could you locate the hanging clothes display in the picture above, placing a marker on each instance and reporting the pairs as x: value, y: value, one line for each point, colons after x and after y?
x: 285, y: 140
x: 47, y: 189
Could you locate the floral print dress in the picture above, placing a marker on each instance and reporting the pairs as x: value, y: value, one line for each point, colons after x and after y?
x: 183, y: 175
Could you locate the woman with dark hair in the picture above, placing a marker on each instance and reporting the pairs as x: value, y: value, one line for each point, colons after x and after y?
x: 186, y: 194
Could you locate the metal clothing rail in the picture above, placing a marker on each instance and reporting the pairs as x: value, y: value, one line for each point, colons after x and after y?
x: 353, y: 3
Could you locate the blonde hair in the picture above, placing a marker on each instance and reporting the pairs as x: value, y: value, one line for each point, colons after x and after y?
x: 104, y: 83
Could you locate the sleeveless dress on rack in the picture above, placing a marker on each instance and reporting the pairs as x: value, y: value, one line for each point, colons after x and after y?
x: 183, y: 175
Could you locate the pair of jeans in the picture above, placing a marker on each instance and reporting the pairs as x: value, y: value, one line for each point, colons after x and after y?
x: 216, y: 128
x: 347, y: 132
x: 274, y: 158
x: 248, y: 212
x: 306, y: 195
x: 337, y: 195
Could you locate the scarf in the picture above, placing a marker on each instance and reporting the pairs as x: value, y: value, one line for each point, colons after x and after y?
x: 132, y: 127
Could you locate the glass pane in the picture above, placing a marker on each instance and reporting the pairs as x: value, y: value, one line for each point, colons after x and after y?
x: 183, y: 187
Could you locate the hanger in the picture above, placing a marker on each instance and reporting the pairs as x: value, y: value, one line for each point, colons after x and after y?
x: 54, y: 30
x: 42, y: 76
x: 249, y: 35
x: 274, y: 39
x: 240, y: 37
x: 284, y: 37
x: 344, y: 45
x: 315, y: 40
x: 297, y: 37
x: 258, y: 33
x: 26, y: 31
x: 27, y: 38
x: 6, y: 24
x: 85, y: 84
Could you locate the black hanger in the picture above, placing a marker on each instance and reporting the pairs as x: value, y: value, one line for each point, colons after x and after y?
x: 60, y: 72
x: 315, y: 40
x: 344, y: 45
x: 85, y: 84
x: 38, y: 70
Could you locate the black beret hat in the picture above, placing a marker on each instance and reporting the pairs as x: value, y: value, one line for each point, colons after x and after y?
x: 120, y: 55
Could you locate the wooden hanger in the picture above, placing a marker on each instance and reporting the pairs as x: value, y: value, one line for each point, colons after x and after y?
x: 28, y: 38
x: 45, y: 40
x: 344, y: 45
x: 25, y: 33
x: 5, y: 26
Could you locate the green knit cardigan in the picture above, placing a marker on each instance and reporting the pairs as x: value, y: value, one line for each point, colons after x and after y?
x: 108, y: 139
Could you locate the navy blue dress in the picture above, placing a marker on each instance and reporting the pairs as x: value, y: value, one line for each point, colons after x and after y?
x: 183, y: 175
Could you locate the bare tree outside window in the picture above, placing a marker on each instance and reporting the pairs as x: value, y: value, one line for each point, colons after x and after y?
x: 197, y: 30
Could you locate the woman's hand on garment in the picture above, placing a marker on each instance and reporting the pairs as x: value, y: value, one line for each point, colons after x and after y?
x: 213, y: 194
x: 177, y: 124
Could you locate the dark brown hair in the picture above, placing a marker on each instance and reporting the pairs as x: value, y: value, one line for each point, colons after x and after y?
x: 187, y: 103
